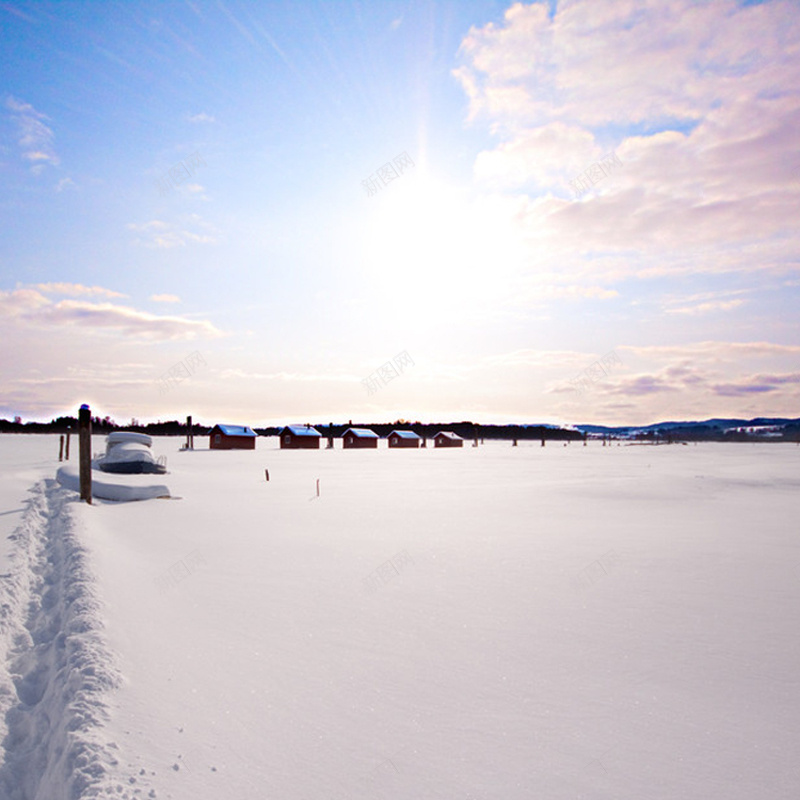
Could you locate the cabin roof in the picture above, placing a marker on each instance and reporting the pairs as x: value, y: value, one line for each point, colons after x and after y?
x: 236, y: 430
x: 362, y: 433
x: 302, y: 430
x: 405, y: 434
x: 448, y: 435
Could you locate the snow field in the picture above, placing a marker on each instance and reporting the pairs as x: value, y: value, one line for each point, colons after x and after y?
x: 489, y: 622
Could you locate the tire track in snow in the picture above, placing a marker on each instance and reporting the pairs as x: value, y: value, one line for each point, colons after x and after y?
x: 55, y: 667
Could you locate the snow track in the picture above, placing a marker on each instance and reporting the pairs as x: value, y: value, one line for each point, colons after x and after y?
x: 55, y: 668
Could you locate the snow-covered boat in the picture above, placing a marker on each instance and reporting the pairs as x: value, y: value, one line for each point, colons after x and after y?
x: 129, y: 453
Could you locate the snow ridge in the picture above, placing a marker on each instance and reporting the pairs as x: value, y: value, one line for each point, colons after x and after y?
x: 55, y: 667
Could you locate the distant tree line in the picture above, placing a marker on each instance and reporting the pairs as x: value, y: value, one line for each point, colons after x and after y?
x: 467, y: 430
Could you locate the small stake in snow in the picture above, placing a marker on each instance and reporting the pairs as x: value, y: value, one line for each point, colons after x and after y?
x: 66, y: 455
x: 61, y: 448
x: 85, y: 452
x: 266, y: 474
x: 317, y: 487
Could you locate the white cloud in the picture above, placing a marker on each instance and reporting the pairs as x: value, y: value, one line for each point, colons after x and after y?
x: 201, y: 117
x: 698, y: 101
x: 706, y: 308
x: 76, y: 290
x: 165, y: 298
x: 159, y: 234
x: 35, y: 137
x: 30, y: 308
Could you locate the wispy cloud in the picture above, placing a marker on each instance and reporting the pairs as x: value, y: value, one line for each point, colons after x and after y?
x: 12, y: 10
x: 35, y: 137
x: 706, y: 308
x: 715, y: 351
x: 30, y: 307
x: 288, y: 377
x: 159, y: 234
x: 165, y: 298
x: 756, y: 384
x: 201, y: 117
x: 76, y: 290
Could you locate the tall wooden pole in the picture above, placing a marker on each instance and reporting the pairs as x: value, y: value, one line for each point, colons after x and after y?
x: 66, y: 455
x: 61, y: 448
x: 189, y: 437
x: 85, y: 452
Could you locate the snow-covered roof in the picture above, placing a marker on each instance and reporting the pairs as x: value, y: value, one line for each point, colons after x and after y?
x: 448, y: 435
x: 302, y: 430
x: 236, y: 430
x: 404, y: 434
x: 362, y: 433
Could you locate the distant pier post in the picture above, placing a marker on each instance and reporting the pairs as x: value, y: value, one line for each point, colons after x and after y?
x: 514, y: 444
x: 542, y: 441
x: 189, y: 437
x: 85, y: 452
x: 61, y: 447
x: 66, y: 454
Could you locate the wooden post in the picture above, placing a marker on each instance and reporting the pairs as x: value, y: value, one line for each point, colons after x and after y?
x: 266, y: 473
x: 85, y: 452
x: 61, y: 447
x: 542, y: 441
x: 330, y: 443
x: 66, y: 454
x: 515, y: 443
x: 189, y: 437
x: 424, y: 442
x: 317, y: 487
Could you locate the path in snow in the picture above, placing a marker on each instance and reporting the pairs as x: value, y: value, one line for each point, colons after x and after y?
x: 55, y: 666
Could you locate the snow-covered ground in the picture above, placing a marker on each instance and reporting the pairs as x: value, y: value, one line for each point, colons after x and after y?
x: 477, y: 624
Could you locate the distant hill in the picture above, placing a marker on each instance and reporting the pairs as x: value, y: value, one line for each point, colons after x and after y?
x: 759, y: 428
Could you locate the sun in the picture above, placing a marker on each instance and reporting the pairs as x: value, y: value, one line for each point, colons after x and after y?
x: 446, y: 241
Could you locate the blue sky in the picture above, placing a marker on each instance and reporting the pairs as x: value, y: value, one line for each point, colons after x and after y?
x: 270, y: 284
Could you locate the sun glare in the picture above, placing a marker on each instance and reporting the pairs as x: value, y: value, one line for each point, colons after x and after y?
x: 439, y: 242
